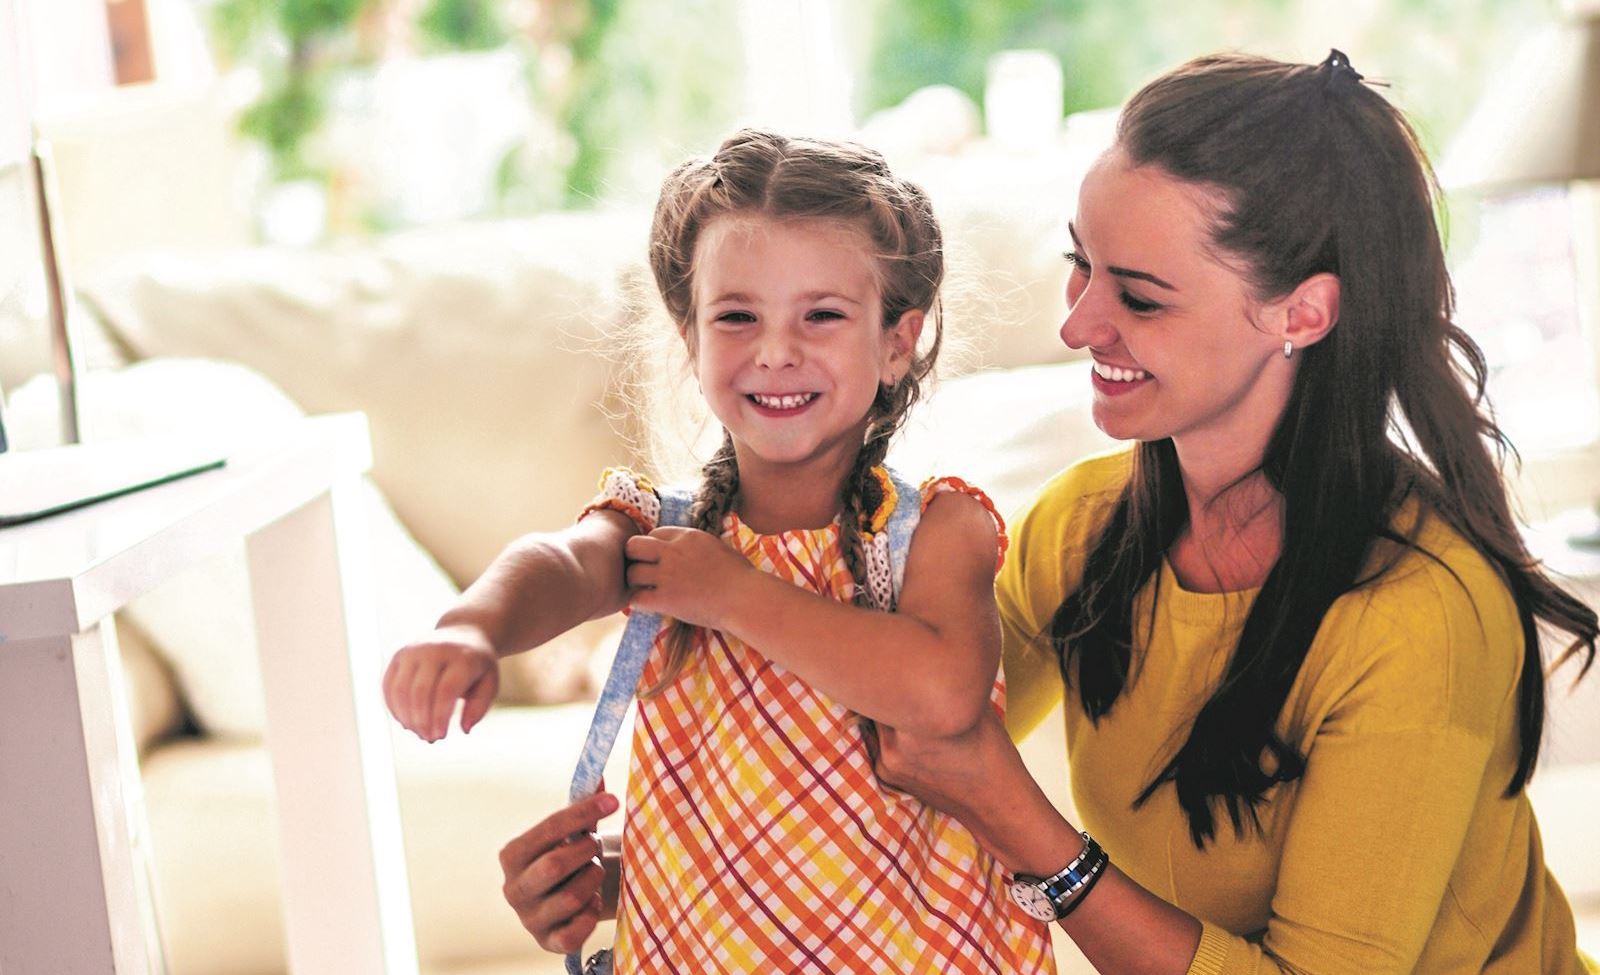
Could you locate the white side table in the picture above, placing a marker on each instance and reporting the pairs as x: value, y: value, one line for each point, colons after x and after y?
x: 71, y: 819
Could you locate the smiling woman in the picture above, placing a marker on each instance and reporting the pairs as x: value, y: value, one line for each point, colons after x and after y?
x: 1273, y: 609
x: 1183, y: 349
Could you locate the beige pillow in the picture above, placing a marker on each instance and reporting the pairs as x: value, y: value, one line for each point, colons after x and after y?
x: 154, y: 709
x: 1006, y: 431
x: 473, y: 350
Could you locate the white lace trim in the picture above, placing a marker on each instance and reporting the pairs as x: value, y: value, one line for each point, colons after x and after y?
x: 880, y: 574
x: 623, y: 486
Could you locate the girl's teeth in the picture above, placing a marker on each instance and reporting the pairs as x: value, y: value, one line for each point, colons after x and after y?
x: 1117, y: 374
x: 783, y: 402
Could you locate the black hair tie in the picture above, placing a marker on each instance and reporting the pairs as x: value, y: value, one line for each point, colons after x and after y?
x: 1337, y: 66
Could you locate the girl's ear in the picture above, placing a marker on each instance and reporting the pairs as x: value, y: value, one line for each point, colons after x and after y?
x: 900, y: 344
x: 1311, y: 310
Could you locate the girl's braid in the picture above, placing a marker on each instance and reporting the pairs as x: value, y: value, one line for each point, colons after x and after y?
x: 862, y: 493
x: 719, y: 485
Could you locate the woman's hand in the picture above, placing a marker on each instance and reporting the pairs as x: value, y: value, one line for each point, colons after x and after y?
x: 683, y: 573
x: 554, y: 875
x: 428, y: 676
x: 979, y: 778
x: 947, y: 773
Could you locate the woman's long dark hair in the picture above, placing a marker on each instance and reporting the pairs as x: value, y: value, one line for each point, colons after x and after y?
x: 1319, y: 173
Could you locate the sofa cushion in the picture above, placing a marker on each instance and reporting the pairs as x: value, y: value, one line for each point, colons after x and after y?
x: 1006, y: 431
x: 154, y: 708
x: 471, y: 349
x: 214, y: 840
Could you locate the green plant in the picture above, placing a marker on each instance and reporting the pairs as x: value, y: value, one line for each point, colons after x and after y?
x: 296, y: 42
x: 617, y: 80
x: 463, y: 25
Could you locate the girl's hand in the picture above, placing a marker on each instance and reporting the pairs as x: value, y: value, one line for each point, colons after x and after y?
x: 427, y: 677
x: 553, y: 875
x: 683, y: 573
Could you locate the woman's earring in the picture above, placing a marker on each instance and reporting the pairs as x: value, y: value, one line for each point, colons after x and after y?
x: 1288, y: 348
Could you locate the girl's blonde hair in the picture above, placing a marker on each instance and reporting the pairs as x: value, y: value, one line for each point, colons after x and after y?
x: 765, y: 174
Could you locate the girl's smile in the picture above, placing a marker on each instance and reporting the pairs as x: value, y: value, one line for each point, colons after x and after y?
x: 788, y: 338
x: 782, y: 404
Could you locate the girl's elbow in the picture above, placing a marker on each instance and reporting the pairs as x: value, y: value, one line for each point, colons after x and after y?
x: 952, y: 713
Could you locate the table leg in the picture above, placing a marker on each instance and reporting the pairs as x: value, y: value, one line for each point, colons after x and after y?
x: 347, y: 906
x: 70, y: 882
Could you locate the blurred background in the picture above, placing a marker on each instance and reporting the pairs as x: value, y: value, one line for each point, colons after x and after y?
x: 219, y: 123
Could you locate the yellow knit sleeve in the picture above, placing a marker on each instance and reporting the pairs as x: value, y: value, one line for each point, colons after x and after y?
x: 1033, y: 680
x: 1414, y: 718
x: 1048, y: 541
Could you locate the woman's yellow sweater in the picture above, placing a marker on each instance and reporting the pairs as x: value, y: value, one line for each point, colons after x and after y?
x: 1397, y: 851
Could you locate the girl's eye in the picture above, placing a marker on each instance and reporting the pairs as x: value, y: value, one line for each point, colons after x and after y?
x: 1138, y: 305
x: 1078, y: 261
x: 824, y: 315
x: 736, y: 317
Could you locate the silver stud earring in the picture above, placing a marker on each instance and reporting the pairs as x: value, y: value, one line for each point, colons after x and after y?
x: 1288, y: 348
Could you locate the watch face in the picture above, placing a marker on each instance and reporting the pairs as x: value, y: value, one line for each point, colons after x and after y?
x: 1033, y: 901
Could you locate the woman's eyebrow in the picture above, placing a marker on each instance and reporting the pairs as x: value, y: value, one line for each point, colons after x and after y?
x: 1124, y: 272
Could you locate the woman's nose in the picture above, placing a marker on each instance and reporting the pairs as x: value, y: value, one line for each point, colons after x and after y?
x: 1087, y: 325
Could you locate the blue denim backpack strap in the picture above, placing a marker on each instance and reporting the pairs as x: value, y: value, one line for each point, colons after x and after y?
x: 902, y: 525
x: 637, y: 638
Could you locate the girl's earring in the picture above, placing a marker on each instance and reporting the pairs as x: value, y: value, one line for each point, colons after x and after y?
x: 1288, y: 348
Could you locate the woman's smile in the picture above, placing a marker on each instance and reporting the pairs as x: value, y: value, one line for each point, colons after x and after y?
x: 1117, y: 380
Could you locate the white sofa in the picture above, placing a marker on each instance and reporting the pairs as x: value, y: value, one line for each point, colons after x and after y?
x: 478, y: 354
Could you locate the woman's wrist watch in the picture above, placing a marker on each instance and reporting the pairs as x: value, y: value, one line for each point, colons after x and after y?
x: 1053, y: 898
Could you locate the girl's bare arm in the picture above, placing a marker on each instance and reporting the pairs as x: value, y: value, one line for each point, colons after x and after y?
x: 930, y: 666
x: 539, y: 587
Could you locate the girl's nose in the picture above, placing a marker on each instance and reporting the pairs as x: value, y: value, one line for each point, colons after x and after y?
x: 778, y: 348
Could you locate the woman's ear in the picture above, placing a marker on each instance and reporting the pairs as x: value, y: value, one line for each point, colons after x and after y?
x: 1311, y: 310
x: 900, y: 344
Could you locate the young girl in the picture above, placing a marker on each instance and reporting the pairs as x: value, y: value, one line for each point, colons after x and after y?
x: 800, y: 275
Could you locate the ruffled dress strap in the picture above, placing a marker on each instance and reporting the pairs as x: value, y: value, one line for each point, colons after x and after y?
x: 935, y: 486
x: 630, y: 494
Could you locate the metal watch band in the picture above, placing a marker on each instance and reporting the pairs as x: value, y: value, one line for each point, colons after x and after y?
x: 1095, y: 873
x: 1077, y: 873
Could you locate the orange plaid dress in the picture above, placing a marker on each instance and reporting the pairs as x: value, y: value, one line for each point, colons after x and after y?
x: 757, y: 838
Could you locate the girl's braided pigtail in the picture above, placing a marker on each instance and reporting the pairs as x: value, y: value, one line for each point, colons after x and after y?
x: 719, y: 485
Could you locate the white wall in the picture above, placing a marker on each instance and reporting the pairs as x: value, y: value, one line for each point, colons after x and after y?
x: 13, y: 123
x: 71, y: 49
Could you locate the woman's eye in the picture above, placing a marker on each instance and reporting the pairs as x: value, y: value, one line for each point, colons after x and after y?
x: 1078, y: 261
x: 1138, y: 305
